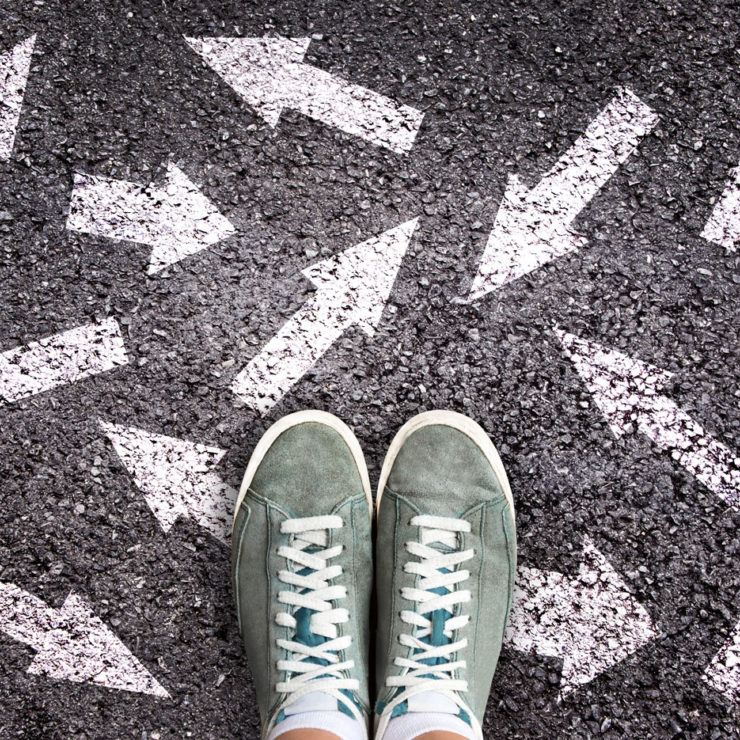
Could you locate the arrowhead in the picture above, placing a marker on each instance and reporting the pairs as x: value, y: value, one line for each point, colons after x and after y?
x: 525, y: 236
x: 80, y: 647
x: 194, y: 222
x: 176, y: 478
x: 14, y: 68
x: 609, y: 625
x: 362, y: 276
x: 592, y: 622
x: 622, y: 388
x: 723, y: 673
x: 255, y: 68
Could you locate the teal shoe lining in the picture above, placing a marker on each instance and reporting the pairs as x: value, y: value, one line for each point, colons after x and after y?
x: 437, y: 637
x: 305, y: 636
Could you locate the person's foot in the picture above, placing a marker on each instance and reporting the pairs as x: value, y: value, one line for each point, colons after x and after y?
x: 444, y: 571
x: 302, y: 575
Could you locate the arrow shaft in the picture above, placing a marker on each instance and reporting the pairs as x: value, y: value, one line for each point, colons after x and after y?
x: 61, y: 359
x: 533, y: 227
x: 354, y: 109
x: 692, y: 447
x: 595, y: 156
x: 14, y: 68
x: 117, y: 209
x: 176, y: 220
x: 293, y: 351
x: 23, y: 617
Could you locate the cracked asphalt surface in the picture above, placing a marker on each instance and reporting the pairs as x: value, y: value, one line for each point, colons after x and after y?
x: 114, y: 90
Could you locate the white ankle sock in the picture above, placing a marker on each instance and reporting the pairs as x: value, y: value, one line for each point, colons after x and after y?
x: 319, y: 711
x: 412, y: 724
x: 341, y: 724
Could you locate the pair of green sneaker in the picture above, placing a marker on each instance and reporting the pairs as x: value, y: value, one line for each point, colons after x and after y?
x: 303, y: 571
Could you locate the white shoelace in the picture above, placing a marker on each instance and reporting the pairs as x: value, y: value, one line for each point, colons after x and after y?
x: 418, y: 677
x: 315, y: 592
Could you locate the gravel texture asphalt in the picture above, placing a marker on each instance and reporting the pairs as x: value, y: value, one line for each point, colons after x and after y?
x: 114, y: 90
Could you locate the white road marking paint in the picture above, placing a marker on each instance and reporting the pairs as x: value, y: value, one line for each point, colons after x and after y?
x: 176, y: 478
x: 14, y: 68
x: 352, y: 288
x: 591, y: 621
x: 176, y: 220
x: 628, y: 393
x: 61, y: 359
x: 71, y: 643
x: 723, y: 226
x: 533, y: 227
x: 723, y: 673
x: 270, y: 75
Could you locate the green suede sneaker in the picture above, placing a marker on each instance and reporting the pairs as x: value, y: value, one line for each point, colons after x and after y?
x: 445, y: 566
x: 302, y: 572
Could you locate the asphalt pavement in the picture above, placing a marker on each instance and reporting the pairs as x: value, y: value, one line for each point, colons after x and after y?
x: 125, y: 115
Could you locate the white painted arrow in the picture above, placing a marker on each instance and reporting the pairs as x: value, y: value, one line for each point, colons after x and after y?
x: 270, y: 75
x: 592, y: 621
x: 352, y: 288
x: 14, y: 67
x: 71, y: 643
x: 723, y: 673
x: 533, y: 227
x: 61, y: 359
x: 176, y: 220
x: 723, y: 226
x: 628, y: 393
x: 176, y: 478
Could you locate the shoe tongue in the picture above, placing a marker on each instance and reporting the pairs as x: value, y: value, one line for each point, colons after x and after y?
x: 441, y: 547
x: 432, y: 701
x: 316, y: 701
x: 303, y: 615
